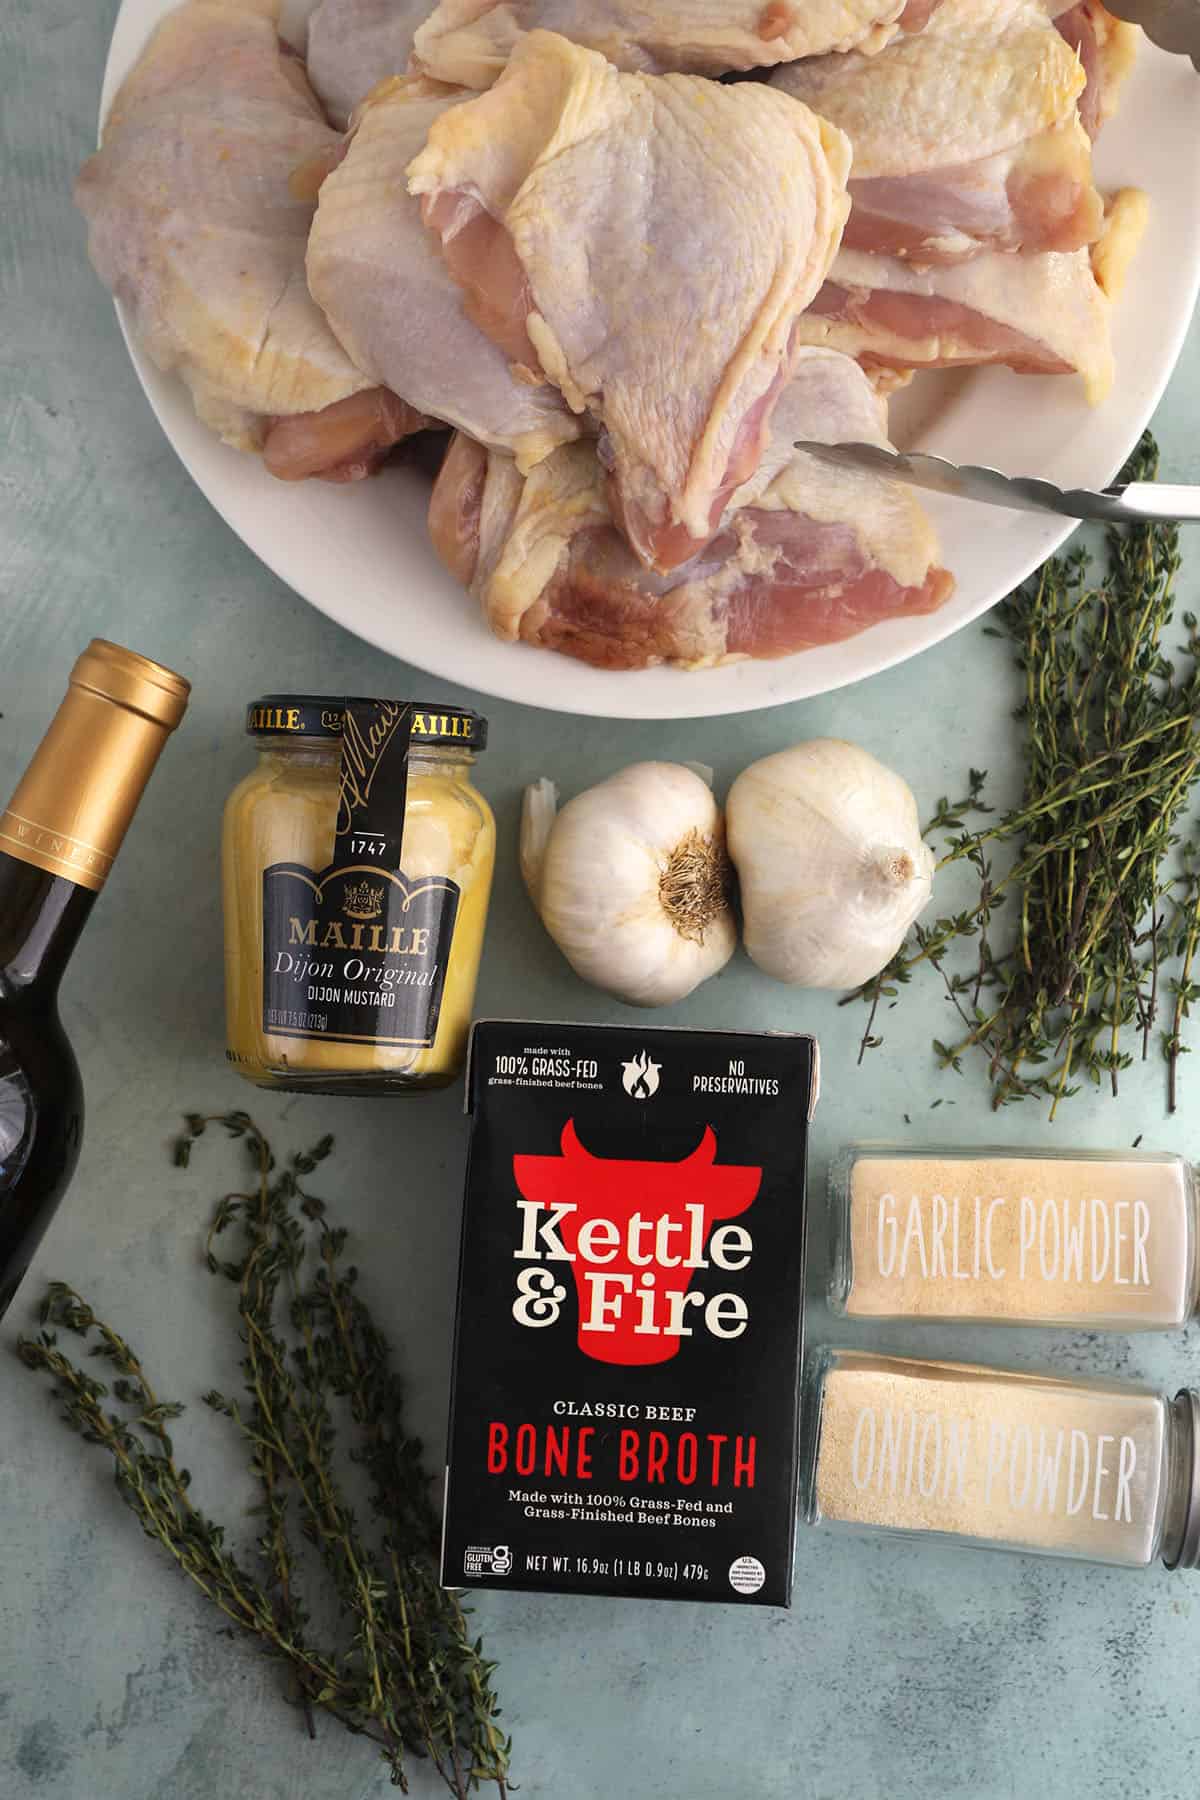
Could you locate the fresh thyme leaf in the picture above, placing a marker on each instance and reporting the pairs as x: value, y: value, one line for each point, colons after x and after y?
x: 403, y: 1669
x: 1101, y: 897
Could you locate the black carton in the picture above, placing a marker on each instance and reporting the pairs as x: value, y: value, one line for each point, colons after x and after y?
x: 630, y: 1313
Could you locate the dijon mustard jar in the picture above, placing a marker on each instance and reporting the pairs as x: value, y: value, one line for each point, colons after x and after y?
x: 357, y: 864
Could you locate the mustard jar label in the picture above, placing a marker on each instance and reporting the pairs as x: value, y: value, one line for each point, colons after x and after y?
x: 357, y: 952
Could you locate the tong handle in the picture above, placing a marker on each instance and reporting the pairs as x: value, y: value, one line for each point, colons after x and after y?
x: 1173, y: 25
x: 1157, y: 499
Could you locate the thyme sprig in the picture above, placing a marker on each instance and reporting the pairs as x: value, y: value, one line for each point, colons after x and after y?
x: 403, y: 1669
x: 1101, y: 896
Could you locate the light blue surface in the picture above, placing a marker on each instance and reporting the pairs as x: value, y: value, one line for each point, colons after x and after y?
x: 899, y: 1671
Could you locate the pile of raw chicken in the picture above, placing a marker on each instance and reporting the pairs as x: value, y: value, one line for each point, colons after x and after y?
x: 630, y: 251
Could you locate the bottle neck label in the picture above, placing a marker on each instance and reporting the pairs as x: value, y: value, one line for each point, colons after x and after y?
x: 57, y: 852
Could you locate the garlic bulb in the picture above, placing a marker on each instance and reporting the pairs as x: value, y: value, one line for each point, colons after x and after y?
x: 632, y: 881
x: 827, y: 845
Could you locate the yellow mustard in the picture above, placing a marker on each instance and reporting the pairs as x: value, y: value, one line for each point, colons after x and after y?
x: 357, y: 864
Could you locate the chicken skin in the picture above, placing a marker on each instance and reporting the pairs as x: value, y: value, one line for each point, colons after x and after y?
x: 1040, y: 315
x: 966, y: 137
x: 198, y: 224
x: 647, y: 244
x: 353, y: 45
x: 806, y: 555
x: 1107, y: 47
x: 470, y: 41
x: 376, y: 272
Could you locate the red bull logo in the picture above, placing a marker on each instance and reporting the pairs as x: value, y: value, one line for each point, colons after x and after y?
x: 635, y: 1234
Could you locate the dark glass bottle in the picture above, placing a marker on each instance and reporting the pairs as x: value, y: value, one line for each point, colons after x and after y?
x: 58, y: 838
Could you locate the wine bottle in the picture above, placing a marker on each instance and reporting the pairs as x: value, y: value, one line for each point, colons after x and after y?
x: 58, y: 838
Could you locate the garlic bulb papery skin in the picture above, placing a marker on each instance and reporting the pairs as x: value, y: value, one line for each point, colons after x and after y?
x: 832, y: 867
x: 631, y: 879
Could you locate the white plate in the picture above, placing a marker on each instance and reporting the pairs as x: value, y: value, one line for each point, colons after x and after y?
x: 361, y: 554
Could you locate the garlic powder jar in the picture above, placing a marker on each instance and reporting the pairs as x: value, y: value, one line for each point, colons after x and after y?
x: 357, y: 865
x: 1107, y: 1240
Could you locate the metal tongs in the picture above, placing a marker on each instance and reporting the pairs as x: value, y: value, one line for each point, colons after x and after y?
x: 1123, y: 503
x: 1171, y: 24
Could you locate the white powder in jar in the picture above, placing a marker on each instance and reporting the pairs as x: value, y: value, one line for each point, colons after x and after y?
x: 1054, y: 1239
x: 993, y: 1456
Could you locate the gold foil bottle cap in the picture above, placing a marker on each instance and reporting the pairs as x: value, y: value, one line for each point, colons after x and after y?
x: 74, y: 803
x: 133, y: 681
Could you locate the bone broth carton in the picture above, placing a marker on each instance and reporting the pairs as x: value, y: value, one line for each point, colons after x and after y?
x: 630, y: 1313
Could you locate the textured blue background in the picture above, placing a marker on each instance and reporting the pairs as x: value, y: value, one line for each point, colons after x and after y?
x: 900, y: 1671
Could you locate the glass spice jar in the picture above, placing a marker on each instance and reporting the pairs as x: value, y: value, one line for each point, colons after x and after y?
x: 357, y: 865
x: 1104, y: 1471
x: 1107, y: 1240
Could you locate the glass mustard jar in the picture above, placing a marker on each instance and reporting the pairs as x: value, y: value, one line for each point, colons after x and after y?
x: 357, y: 864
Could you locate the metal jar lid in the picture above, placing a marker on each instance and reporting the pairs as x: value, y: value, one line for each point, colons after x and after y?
x: 320, y: 716
x: 1187, y: 1555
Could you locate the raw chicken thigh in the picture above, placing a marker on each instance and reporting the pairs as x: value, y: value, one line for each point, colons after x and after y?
x: 966, y: 137
x: 376, y: 272
x: 648, y: 243
x: 1041, y: 315
x: 631, y: 289
x: 355, y: 44
x: 1107, y: 48
x: 806, y: 556
x: 469, y: 41
x: 197, y: 224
